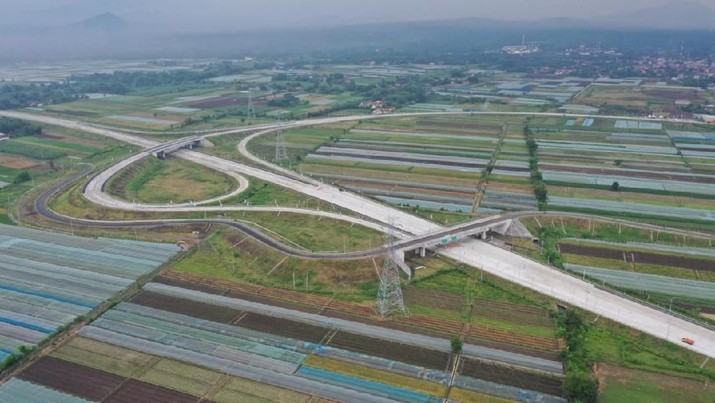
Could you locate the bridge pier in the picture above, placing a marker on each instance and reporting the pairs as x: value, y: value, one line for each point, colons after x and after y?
x: 422, y: 251
x: 398, y: 256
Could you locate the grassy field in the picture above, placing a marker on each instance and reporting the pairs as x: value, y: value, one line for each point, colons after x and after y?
x: 622, y: 385
x: 229, y: 255
x: 173, y: 180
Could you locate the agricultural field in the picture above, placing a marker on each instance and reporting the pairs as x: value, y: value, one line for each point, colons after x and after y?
x: 195, y: 344
x: 626, y: 168
x: 517, y: 91
x: 54, y: 149
x: 49, y: 280
x: 227, y: 336
x: 445, y: 305
x: 46, y: 157
x: 200, y: 106
x: 508, y: 183
x: 642, y: 99
x: 433, y: 166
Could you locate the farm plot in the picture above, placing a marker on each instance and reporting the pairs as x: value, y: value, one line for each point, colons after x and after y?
x: 17, y: 162
x: 97, y: 385
x: 508, y: 184
x: 423, y: 164
x: 402, y: 383
x: 368, y: 330
x: 47, y: 280
x: 634, y: 98
x: 170, y: 374
x: 71, y: 378
x: 511, y: 376
x: 697, y: 148
x: 638, y: 257
x: 391, y: 350
x: 437, y: 299
x: 651, y: 283
x: 426, y: 319
x: 19, y: 391
x: 639, y: 170
x: 515, y: 313
x: 632, y: 209
x: 543, y: 347
x: 246, y: 352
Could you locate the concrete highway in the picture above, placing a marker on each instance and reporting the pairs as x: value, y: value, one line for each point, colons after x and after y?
x: 478, y: 254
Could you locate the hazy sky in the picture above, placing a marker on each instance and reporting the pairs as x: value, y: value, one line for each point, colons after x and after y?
x: 271, y: 13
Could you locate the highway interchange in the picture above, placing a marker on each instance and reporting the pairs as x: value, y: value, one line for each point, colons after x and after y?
x: 481, y: 255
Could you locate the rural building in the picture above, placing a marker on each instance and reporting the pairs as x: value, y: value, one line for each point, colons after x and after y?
x: 4, y: 136
x: 706, y: 118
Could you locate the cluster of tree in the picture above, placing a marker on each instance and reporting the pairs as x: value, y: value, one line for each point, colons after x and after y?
x: 22, y: 177
x: 122, y: 82
x: 580, y: 385
x: 537, y: 180
x: 76, y: 86
x: 402, y: 91
x: 697, y: 108
x: 285, y: 101
x: 18, y: 128
x: 21, y: 96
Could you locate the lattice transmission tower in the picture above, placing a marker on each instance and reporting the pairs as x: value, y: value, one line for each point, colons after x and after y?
x: 390, y: 301
x: 281, y: 151
x: 251, y: 113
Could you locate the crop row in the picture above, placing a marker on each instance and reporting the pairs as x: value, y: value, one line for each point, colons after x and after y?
x: 489, y: 334
x: 512, y: 376
x: 433, y: 298
x: 648, y: 282
x: 639, y: 257
x: 633, y: 208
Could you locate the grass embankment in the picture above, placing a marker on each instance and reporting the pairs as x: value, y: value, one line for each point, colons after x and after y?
x: 173, y: 180
x: 634, y: 367
x: 229, y: 255
x: 316, y: 233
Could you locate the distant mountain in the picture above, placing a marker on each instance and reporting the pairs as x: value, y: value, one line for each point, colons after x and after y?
x: 106, y: 22
x: 673, y: 15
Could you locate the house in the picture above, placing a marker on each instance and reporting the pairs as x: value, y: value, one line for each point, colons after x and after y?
x: 4, y: 136
x: 706, y: 118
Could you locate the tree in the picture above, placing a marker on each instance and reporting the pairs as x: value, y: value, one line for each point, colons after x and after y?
x: 23, y: 176
x: 581, y: 387
x: 457, y: 345
x: 615, y: 186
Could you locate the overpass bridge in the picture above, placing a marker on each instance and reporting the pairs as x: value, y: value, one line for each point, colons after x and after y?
x: 480, y: 229
x: 163, y: 150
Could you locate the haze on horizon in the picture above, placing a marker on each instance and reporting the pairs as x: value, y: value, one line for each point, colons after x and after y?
x: 208, y: 15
